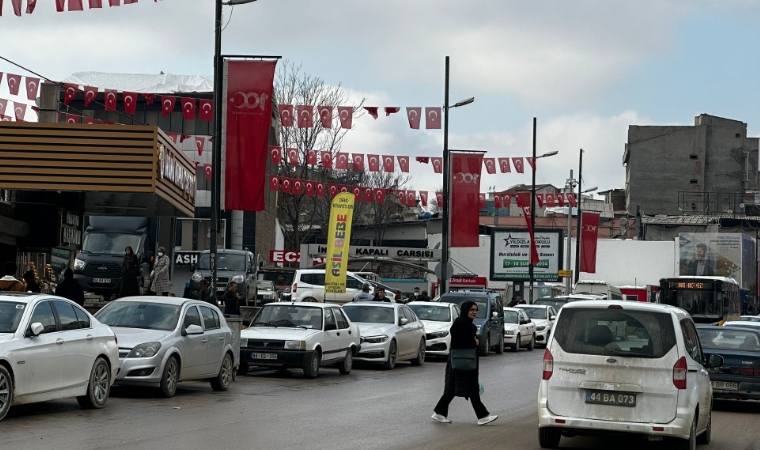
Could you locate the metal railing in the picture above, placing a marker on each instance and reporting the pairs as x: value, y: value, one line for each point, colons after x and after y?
x: 719, y: 203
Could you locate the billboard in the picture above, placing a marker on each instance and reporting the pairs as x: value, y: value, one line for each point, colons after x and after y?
x: 730, y: 255
x: 510, y: 255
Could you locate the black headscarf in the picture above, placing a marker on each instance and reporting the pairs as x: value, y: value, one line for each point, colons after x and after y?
x: 465, y: 309
x: 463, y: 330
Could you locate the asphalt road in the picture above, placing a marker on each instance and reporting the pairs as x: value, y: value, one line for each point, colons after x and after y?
x: 367, y: 409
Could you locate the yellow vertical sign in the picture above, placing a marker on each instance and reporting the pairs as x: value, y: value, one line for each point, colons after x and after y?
x: 338, y: 238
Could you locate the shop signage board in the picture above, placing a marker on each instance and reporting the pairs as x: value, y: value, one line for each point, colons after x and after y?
x: 185, y: 259
x: 59, y: 259
x: 382, y: 252
x: 71, y: 229
x: 289, y: 257
x: 510, y: 255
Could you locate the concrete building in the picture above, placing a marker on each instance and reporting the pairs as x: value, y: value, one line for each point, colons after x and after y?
x: 710, y: 167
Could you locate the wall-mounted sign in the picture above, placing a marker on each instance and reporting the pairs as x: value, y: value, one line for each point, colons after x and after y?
x: 510, y: 255
x: 70, y: 229
x: 177, y: 174
x: 382, y: 252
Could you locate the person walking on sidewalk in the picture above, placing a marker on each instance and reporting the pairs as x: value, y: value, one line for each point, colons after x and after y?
x: 31, y: 282
x: 130, y: 271
x: 160, y: 274
x: 70, y: 288
x: 463, y: 383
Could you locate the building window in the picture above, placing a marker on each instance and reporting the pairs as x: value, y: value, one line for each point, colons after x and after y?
x: 693, y: 181
x: 693, y: 156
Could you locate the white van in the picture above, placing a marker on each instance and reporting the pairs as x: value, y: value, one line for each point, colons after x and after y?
x: 601, y: 288
x: 309, y: 286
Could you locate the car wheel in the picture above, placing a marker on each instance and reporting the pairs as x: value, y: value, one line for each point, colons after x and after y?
x: 706, y: 436
x: 309, y: 300
x: 691, y: 442
x: 549, y: 437
x: 518, y: 344
x: 420, y: 359
x: 487, y: 348
x: 223, y: 380
x: 312, y: 369
x: 99, y: 386
x: 170, y: 377
x: 347, y: 364
x: 532, y: 344
x: 500, y: 347
x: 6, y: 391
x: 390, y: 363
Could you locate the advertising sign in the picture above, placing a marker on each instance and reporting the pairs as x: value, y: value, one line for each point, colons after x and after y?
x: 338, y: 239
x: 383, y: 252
x: 510, y: 255
x: 718, y: 254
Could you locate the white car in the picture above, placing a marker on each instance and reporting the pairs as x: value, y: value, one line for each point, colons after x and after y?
x: 309, y: 286
x: 437, y: 318
x: 50, y: 348
x: 391, y: 332
x: 742, y: 323
x: 629, y: 368
x: 519, y: 330
x: 300, y: 335
x: 543, y: 316
x: 749, y: 319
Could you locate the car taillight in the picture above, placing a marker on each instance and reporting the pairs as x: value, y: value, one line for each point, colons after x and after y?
x: 679, y: 373
x: 295, y: 288
x: 548, y: 364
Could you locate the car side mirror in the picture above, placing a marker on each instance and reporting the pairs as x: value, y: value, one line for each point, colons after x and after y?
x: 552, y: 317
x: 194, y: 329
x: 403, y: 321
x: 714, y: 361
x: 36, y: 329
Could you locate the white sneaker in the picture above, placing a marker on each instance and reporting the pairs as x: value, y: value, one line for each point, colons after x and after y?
x: 487, y: 419
x: 440, y: 418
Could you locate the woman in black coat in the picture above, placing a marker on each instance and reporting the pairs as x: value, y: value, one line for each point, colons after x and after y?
x: 459, y: 383
x: 130, y: 271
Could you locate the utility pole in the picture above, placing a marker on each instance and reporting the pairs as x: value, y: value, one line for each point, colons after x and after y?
x: 568, y: 258
x: 532, y: 212
x: 445, y: 241
x: 578, y: 226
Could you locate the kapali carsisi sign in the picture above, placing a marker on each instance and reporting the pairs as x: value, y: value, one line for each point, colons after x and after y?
x: 176, y: 173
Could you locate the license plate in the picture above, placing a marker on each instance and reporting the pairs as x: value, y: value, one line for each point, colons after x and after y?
x: 264, y: 355
x: 611, y: 398
x: 101, y: 280
x: 725, y: 385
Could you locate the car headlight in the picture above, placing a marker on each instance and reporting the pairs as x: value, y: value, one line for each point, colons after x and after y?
x: 375, y: 339
x: 295, y: 345
x: 509, y: 332
x: 197, y: 277
x: 243, y: 343
x: 237, y: 279
x: 147, y: 350
x: 436, y: 335
x: 79, y: 264
x: 540, y: 328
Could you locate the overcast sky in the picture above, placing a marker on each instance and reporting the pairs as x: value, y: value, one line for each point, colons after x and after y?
x: 586, y: 69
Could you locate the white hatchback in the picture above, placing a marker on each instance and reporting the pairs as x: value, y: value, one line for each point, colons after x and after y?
x: 629, y: 368
x: 50, y: 348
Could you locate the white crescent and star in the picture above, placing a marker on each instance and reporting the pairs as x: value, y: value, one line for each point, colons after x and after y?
x: 412, y: 113
x: 111, y: 95
x: 206, y: 107
x: 433, y: 115
x: 89, y: 94
x: 32, y: 86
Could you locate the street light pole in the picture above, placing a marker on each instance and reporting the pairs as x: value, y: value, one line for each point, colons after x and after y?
x: 532, y: 211
x: 568, y: 258
x: 216, y: 152
x: 578, y: 226
x: 445, y: 194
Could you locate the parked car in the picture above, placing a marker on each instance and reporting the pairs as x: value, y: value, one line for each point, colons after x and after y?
x: 558, y: 302
x: 489, y: 321
x: 309, y: 286
x: 300, y: 335
x: 390, y: 332
x: 749, y: 319
x: 543, y: 316
x: 437, y: 318
x: 237, y: 266
x: 166, y: 340
x: 265, y: 292
x: 739, y: 377
x: 50, y: 348
x: 742, y: 324
x: 628, y: 368
x: 519, y: 330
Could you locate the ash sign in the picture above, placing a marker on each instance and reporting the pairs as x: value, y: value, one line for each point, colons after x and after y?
x: 510, y: 255
x: 185, y: 259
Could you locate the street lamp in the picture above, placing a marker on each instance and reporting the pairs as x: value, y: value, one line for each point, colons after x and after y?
x: 590, y: 190
x: 446, y: 176
x: 569, y: 187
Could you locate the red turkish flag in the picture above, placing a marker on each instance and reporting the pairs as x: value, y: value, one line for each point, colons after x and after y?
x: 275, y: 154
x: 292, y: 156
x: 490, y: 165
x: 414, y: 115
x: 572, y: 200
x: 297, y: 187
x: 411, y: 198
x: 497, y: 201
x: 589, y: 237
x: 76, y: 5
x: 549, y: 200
x: 532, y: 162
x: 311, y: 157
x: 20, y: 110
x: 346, y: 114
x: 504, y: 165
x: 14, y: 81
x: 200, y: 142
x: 327, y: 160
x: 110, y: 99
x: 167, y: 104
x: 403, y: 163
x: 149, y: 98
x: 439, y: 199
x: 388, y: 164
x: 422, y: 159
x: 31, y: 4
x: 344, y: 188
x: 305, y: 116
x: 209, y: 172
x: 374, y: 163
x: 17, y: 7
x: 368, y: 194
x: 433, y: 118
x: 3, y: 105
x: 560, y: 199
x: 523, y: 202
x: 320, y: 189
x: 90, y: 120
x: 518, y: 163
x: 325, y: 116
x: 437, y: 164
x: 506, y: 200
x: 357, y: 191
x: 173, y: 136
x: 391, y: 110
x: 188, y: 108
x: 90, y: 93
x: 274, y: 183
x: 71, y: 118
x: 5, y: 118
x: 401, y: 194
x: 372, y: 110
x: 465, y: 191
x: 130, y: 102
x: 286, y: 115
x: 286, y: 185
x: 310, y: 188
x: 540, y: 200
x: 115, y: 3
x: 482, y: 200
x: 358, y: 162
x: 341, y: 161
x: 423, y: 197
x: 33, y: 84
x: 333, y: 189
x: 206, y: 110
x: 69, y: 92
x: 380, y: 195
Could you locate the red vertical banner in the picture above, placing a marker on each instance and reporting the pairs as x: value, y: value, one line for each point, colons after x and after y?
x: 465, y: 204
x: 247, y: 117
x: 589, y: 235
x: 523, y: 202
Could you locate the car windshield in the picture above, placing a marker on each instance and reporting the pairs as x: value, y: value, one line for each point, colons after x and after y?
x: 729, y: 339
x: 369, y: 314
x: 556, y: 304
x: 289, y: 316
x: 511, y: 316
x: 10, y: 316
x: 148, y: 315
x: 433, y: 313
x: 534, y: 313
x: 225, y: 261
x: 266, y: 285
x: 750, y: 319
x: 109, y: 243
x: 482, y: 303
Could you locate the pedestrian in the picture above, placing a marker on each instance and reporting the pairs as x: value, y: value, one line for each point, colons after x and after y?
x: 364, y: 295
x: 205, y: 293
x: 9, y: 282
x: 31, y: 282
x: 160, y: 274
x: 413, y: 296
x: 460, y: 383
x: 232, y: 300
x: 70, y: 289
x: 424, y: 297
x: 380, y: 296
x: 130, y: 271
